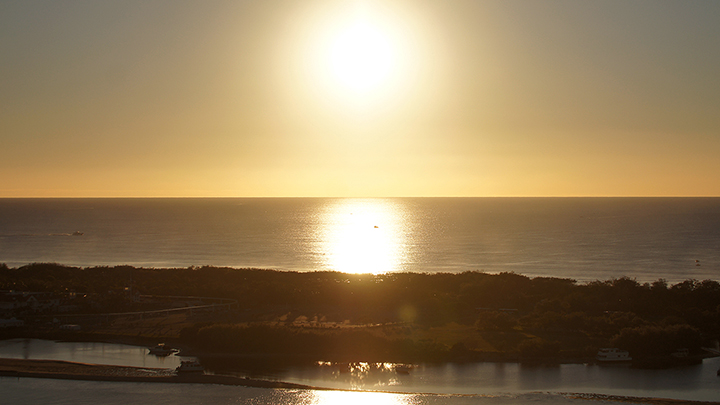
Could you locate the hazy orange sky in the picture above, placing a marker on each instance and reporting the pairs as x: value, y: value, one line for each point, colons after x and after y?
x: 359, y: 98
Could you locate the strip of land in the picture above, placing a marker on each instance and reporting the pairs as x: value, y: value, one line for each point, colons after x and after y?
x: 98, y: 372
x: 635, y: 400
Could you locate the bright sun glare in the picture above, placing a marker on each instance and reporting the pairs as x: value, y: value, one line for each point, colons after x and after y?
x: 357, y: 53
x: 361, y: 57
x: 363, y: 236
x: 356, y: 398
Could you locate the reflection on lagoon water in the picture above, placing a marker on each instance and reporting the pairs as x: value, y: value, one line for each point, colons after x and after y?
x: 698, y: 382
x: 471, y: 383
x: 357, y: 398
x: 86, y: 352
x: 37, y: 391
x: 363, y: 235
x: 362, y: 375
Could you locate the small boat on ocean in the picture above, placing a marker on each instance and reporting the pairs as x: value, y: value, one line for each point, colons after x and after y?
x: 612, y: 355
x: 190, y: 366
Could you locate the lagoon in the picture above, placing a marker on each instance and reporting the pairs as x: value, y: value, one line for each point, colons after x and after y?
x: 447, y: 384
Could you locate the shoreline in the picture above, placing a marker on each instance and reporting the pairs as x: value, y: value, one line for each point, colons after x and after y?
x: 66, y: 370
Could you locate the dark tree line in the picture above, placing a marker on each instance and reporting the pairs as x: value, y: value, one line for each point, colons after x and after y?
x: 346, y: 345
x: 620, y: 311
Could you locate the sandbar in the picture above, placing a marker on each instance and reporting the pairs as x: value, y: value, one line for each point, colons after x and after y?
x: 98, y: 372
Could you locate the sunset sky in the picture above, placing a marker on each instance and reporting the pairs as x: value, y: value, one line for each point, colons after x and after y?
x: 359, y: 98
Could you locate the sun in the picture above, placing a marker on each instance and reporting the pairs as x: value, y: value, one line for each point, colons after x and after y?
x: 355, y: 54
x: 361, y: 57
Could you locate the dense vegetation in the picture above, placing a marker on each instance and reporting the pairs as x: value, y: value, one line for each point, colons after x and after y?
x: 510, y: 313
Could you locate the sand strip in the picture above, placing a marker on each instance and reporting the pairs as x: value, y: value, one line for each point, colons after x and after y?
x: 97, y: 372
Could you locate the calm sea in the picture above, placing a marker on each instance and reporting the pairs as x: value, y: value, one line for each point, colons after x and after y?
x: 579, y: 238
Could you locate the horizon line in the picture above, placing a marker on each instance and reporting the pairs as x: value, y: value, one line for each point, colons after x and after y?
x: 357, y: 197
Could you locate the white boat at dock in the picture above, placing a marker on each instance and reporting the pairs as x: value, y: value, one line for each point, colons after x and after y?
x: 162, y: 350
x: 612, y: 355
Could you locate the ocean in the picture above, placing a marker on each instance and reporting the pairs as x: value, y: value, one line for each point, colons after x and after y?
x: 580, y: 238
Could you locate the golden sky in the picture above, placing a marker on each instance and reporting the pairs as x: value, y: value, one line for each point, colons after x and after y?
x: 359, y: 98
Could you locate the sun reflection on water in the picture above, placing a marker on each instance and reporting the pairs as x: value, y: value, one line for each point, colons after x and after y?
x: 363, y: 235
x: 358, y: 398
